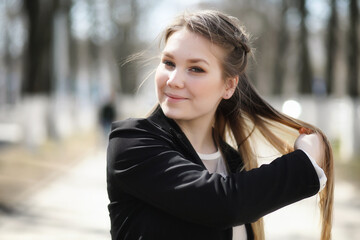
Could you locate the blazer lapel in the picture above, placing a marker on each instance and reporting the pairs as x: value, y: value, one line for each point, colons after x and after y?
x: 169, y: 126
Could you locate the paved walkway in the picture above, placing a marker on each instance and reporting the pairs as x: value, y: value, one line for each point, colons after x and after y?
x: 73, y: 207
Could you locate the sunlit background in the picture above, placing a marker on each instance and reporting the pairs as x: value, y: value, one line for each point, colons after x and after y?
x: 63, y: 78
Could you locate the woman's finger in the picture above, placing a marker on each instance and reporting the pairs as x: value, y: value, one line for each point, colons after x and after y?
x: 305, y: 131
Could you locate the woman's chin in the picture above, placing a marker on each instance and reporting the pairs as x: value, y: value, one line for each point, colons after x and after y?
x: 172, y: 113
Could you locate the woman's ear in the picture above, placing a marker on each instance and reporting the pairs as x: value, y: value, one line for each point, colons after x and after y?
x: 230, y: 86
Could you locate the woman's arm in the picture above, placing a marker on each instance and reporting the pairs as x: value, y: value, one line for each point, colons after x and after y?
x: 143, y: 163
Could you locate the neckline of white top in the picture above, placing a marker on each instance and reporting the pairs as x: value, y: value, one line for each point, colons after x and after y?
x: 210, y: 156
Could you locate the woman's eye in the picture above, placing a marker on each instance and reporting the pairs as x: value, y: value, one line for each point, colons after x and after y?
x: 169, y: 63
x: 196, y: 69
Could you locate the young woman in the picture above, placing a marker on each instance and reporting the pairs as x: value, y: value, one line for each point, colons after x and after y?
x: 175, y: 175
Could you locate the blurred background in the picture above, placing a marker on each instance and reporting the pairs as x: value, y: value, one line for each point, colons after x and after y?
x: 63, y: 80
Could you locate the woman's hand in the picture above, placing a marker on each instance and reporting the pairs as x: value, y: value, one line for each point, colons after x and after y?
x: 313, y: 145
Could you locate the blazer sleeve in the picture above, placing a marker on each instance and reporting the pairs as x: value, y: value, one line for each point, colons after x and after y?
x: 142, y: 163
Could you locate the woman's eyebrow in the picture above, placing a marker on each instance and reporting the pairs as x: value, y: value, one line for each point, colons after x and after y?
x: 192, y: 60
x: 167, y: 54
x: 196, y: 60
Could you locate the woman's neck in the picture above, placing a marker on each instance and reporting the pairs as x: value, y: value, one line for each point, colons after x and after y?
x: 199, y: 134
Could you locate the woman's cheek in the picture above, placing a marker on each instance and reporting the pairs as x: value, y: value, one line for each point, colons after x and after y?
x: 160, y: 76
x: 160, y: 82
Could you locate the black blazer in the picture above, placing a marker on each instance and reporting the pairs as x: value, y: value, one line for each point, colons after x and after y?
x: 159, y: 188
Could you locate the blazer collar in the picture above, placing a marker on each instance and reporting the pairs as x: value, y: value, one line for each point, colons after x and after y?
x: 168, y: 125
x: 158, y: 118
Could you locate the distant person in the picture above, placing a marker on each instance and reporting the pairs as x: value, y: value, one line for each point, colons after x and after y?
x: 107, y: 115
x: 177, y: 175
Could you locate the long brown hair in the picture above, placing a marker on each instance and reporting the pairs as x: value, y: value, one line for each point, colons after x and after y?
x: 246, y: 111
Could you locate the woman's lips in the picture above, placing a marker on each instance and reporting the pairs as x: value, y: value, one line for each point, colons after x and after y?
x: 174, y: 97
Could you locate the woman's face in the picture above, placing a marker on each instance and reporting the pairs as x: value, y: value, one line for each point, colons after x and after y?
x: 189, y: 79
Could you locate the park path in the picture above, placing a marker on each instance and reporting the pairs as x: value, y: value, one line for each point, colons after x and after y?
x: 74, y: 207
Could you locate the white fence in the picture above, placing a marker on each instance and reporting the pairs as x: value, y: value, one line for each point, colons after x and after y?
x: 34, y: 119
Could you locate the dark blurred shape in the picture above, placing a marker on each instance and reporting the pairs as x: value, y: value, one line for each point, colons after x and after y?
x: 107, y: 114
x: 353, y: 49
x: 38, y: 62
x: 305, y: 70
x: 331, y: 47
x: 282, y: 44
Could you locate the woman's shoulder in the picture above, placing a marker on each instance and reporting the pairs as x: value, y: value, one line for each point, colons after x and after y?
x: 156, y: 123
x: 127, y: 123
x: 132, y: 124
x: 136, y: 127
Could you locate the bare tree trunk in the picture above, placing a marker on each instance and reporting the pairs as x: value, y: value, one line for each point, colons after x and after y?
x: 128, y: 74
x: 9, y: 68
x: 353, y: 49
x: 331, y: 47
x: 280, y: 57
x: 38, y: 59
x: 126, y: 45
x: 305, y: 71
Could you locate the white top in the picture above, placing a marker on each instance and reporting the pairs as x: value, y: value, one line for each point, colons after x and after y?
x: 214, y: 163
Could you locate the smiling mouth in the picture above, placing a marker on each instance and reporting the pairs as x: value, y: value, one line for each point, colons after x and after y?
x: 172, y: 97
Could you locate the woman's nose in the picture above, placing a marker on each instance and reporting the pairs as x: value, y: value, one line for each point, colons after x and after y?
x: 175, y: 79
